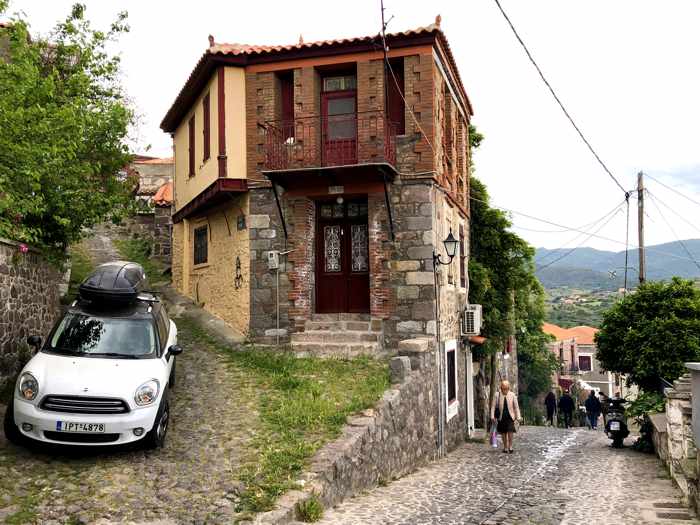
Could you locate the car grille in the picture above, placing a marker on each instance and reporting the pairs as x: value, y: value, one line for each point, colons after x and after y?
x: 84, y: 405
x: 69, y: 437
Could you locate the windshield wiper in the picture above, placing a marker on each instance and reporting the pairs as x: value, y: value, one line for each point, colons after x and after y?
x: 112, y: 354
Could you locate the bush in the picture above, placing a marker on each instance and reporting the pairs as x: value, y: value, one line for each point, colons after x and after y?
x: 310, y: 510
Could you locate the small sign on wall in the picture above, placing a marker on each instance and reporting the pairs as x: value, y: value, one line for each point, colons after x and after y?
x: 335, y: 190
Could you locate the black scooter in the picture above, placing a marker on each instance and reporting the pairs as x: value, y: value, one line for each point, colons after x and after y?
x: 616, y: 424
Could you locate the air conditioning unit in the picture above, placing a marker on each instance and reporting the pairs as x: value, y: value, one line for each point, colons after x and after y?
x: 471, y: 320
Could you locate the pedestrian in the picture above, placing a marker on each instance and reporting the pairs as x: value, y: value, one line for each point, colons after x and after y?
x: 566, y: 407
x: 604, y: 402
x: 506, y: 411
x: 550, y: 403
x: 593, y: 409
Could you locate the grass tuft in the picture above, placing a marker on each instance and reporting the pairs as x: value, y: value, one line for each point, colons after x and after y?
x: 304, y: 404
x: 310, y: 510
x: 81, y: 266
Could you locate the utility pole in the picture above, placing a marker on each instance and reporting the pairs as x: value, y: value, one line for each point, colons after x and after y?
x: 640, y: 225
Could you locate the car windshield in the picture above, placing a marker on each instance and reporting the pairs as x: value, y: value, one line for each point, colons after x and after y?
x: 104, y: 336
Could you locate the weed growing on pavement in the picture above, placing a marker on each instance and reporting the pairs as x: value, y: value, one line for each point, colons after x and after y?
x: 80, y: 268
x: 139, y: 251
x: 310, y: 510
x: 304, y: 403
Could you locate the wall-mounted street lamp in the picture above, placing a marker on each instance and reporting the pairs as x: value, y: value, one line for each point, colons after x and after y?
x: 450, y: 248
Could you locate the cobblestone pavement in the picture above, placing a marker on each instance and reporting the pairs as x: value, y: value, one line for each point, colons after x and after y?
x: 191, y: 480
x: 555, y: 476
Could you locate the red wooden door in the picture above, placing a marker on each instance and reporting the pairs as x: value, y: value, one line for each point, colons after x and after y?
x: 342, y: 257
x: 339, y: 115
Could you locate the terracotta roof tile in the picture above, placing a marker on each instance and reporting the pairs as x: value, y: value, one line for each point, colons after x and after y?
x: 164, y: 195
x: 164, y: 160
x: 584, y: 335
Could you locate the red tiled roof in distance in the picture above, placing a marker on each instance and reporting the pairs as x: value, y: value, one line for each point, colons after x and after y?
x: 243, y: 54
x: 164, y: 195
x: 164, y: 160
x: 584, y: 335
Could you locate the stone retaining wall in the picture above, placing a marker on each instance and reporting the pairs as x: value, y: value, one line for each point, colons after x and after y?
x: 29, y: 303
x: 395, y: 438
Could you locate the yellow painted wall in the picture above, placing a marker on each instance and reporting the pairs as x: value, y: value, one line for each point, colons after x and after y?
x: 186, y: 187
x: 206, y: 172
x: 212, y: 284
x: 234, y: 79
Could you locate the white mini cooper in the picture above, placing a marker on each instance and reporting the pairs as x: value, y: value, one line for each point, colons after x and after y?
x: 103, y: 375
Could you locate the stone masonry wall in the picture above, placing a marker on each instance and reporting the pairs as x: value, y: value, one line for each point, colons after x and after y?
x: 395, y: 438
x: 29, y: 303
x: 682, y: 454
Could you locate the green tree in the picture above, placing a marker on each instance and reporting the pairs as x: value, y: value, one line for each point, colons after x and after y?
x: 652, y: 332
x: 64, y: 121
x: 502, y: 279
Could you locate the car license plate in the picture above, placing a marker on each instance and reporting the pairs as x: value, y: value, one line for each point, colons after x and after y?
x: 89, y: 428
x: 614, y: 425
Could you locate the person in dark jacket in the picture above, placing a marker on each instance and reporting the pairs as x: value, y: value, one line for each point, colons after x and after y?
x: 566, y: 407
x: 593, y: 409
x: 550, y: 403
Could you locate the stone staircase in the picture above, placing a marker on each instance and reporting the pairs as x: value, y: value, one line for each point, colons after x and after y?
x: 338, y: 335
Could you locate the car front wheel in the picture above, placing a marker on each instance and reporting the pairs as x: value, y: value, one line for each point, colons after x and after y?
x: 12, y: 432
x: 156, y: 437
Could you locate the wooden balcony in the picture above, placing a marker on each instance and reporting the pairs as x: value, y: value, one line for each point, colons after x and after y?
x: 338, y: 141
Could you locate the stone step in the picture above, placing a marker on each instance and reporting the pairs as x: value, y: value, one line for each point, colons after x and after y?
x: 357, y: 326
x: 340, y: 317
x: 338, y: 350
x: 329, y: 336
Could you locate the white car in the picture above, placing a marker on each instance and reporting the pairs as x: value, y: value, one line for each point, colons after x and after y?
x: 102, y: 376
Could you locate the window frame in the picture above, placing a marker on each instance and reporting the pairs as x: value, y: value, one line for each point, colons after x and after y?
x: 451, y: 379
x: 191, y: 146
x: 206, y: 128
x: 462, y: 259
x: 204, y: 228
x: 590, y: 363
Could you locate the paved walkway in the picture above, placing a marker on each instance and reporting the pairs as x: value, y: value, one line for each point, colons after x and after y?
x: 193, y: 480
x: 554, y: 477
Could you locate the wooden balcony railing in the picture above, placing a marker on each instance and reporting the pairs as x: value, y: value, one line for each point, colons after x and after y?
x: 338, y: 140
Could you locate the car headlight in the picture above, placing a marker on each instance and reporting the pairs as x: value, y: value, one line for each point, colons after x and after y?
x: 28, y: 386
x: 147, y: 393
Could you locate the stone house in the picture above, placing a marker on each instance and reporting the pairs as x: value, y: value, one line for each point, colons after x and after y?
x: 576, y: 350
x: 313, y: 184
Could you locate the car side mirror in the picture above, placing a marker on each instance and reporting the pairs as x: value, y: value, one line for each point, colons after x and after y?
x: 35, y: 341
x: 175, y: 350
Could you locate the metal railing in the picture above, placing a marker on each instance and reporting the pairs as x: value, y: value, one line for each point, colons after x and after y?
x: 338, y: 140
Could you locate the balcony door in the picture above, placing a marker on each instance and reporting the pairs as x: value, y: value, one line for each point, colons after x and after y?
x: 339, y: 120
x: 342, y: 257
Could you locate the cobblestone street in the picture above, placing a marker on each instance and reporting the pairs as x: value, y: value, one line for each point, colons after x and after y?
x: 555, y: 476
x: 193, y: 479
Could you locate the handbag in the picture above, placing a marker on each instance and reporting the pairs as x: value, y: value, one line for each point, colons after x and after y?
x: 516, y: 424
x: 494, y: 437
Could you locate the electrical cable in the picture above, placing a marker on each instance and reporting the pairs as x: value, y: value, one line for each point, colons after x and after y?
x: 610, y: 214
x: 672, y: 189
x: 627, y: 236
x: 558, y: 225
x: 685, y: 248
x: 561, y: 105
x: 689, y: 223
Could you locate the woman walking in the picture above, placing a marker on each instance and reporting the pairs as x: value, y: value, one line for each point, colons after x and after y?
x: 506, y: 411
x: 550, y: 402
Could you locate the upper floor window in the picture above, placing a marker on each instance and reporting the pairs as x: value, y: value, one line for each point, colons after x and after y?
x: 462, y: 259
x: 584, y: 363
x: 200, y: 245
x: 340, y: 83
x: 206, y: 130
x: 190, y: 129
x: 395, y: 105
x: 286, y: 82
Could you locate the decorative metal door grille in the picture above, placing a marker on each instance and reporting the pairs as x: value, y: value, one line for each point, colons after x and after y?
x: 360, y: 248
x: 331, y: 236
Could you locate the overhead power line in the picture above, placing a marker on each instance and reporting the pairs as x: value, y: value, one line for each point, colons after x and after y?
x: 673, y: 231
x: 558, y: 225
x: 561, y: 105
x: 612, y: 216
x: 609, y: 215
x: 677, y: 214
x: 674, y: 190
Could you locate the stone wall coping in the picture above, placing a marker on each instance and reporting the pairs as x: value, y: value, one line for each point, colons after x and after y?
x: 693, y: 366
x: 675, y: 394
x: 418, y: 344
x: 15, y: 244
x: 659, y: 422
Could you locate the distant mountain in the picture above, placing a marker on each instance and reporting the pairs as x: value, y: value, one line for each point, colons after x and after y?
x: 589, y: 268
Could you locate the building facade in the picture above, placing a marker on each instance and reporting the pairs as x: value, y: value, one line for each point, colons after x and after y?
x: 575, y: 349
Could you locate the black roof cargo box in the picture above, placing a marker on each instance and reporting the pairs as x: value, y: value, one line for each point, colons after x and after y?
x: 118, y: 281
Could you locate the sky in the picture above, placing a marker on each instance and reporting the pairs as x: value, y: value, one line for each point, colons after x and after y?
x: 626, y: 71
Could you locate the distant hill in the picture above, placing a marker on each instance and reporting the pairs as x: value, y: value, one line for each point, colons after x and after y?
x: 589, y: 268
